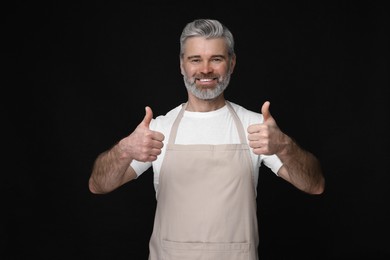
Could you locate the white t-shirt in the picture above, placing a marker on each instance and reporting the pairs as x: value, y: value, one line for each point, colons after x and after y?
x: 215, y: 127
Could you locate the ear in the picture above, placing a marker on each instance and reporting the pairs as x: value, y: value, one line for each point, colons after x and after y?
x: 181, y: 66
x: 232, y: 63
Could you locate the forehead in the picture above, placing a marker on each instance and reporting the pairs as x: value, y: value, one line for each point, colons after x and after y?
x: 202, y: 46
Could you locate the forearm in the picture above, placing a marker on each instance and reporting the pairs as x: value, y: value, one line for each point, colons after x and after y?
x: 301, y: 168
x: 110, y: 170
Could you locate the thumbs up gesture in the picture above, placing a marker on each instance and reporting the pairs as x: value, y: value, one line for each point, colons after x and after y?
x: 266, y: 138
x: 143, y: 144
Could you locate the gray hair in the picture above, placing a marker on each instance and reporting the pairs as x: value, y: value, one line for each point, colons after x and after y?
x: 209, y: 29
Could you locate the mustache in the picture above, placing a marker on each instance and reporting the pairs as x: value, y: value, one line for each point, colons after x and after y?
x: 208, y: 76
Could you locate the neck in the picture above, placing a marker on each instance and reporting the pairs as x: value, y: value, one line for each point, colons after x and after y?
x: 200, y: 105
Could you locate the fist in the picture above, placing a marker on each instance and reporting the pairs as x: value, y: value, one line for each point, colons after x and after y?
x: 265, y: 138
x: 143, y: 144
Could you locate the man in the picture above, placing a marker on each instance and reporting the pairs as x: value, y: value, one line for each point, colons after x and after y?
x: 206, y: 155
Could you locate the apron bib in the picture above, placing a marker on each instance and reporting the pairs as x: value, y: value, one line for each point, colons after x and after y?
x: 206, y: 202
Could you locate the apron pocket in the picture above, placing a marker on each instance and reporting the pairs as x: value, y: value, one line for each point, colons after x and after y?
x: 204, y: 251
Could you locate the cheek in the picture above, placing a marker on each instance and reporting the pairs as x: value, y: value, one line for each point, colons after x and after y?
x: 188, y: 72
x: 221, y: 69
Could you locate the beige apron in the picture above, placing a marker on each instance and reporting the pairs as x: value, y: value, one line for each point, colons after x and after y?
x: 206, y: 202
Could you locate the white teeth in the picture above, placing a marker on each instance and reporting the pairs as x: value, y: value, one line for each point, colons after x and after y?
x: 205, y: 80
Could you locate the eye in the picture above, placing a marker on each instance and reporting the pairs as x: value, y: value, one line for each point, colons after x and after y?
x: 195, y: 60
x: 217, y: 59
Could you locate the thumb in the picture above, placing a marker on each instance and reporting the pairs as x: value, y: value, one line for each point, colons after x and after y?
x: 148, y: 117
x: 265, y: 111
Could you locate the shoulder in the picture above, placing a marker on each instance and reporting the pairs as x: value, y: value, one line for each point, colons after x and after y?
x: 162, y: 121
x: 247, y: 116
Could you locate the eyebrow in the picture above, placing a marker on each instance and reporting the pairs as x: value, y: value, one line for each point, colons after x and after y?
x: 213, y: 56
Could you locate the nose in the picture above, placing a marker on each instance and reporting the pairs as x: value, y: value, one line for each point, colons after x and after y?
x: 206, y: 67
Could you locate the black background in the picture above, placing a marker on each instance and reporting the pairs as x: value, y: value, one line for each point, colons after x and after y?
x: 76, y: 79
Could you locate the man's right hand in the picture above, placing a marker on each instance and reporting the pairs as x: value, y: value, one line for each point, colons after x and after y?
x: 143, y: 144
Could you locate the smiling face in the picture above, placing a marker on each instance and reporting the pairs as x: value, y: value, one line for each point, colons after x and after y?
x: 206, y: 67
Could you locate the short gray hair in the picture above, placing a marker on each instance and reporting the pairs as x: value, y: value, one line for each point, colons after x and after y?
x: 209, y: 29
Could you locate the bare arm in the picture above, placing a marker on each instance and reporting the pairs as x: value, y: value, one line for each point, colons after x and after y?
x: 112, y: 168
x: 300, y: 167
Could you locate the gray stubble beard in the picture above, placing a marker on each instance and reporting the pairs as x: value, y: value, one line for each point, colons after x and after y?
x: 207, y: 94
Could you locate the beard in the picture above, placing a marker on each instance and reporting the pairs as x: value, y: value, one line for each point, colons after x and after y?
x: 207, y: 94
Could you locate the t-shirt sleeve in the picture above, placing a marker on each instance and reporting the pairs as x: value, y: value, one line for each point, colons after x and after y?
x: 140, y: 167
x: 273, y: 162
